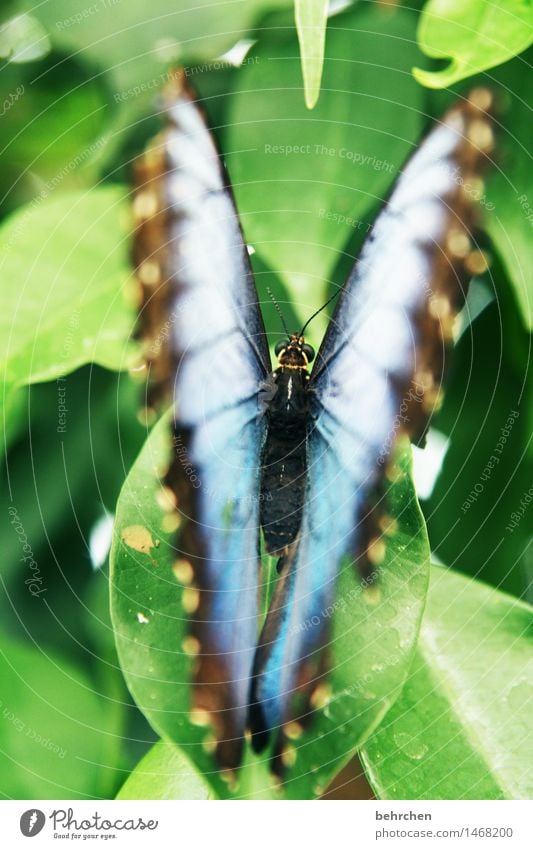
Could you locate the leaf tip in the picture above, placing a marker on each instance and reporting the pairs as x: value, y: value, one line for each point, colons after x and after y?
x: 429, y: 79
x: 311, y: 97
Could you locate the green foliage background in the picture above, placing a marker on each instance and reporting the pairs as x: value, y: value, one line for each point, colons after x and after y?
x: 447, y: 715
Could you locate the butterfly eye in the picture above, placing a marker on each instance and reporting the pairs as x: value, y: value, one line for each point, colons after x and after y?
x: 279, y: 347
x: 309, y: 353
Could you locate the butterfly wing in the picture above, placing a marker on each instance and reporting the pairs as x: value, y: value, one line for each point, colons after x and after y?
x: 378, y: 372
x: 206, y: 345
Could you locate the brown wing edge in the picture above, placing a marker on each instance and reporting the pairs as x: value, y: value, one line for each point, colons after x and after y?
x: 211, y: 696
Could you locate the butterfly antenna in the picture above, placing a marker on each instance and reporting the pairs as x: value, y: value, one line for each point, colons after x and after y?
x: 278, y: 310
x: 323, y: 307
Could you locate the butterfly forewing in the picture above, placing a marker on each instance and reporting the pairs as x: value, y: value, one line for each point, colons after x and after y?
x: 206, y: 348
x: 377, y: 374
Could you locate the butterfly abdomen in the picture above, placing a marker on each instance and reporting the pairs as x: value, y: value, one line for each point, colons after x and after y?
x: 284, y: 461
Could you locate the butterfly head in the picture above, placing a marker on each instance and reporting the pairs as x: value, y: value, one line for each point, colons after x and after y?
x: 294, y: 352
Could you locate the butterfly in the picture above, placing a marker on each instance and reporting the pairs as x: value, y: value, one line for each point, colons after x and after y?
x: 294, y: 454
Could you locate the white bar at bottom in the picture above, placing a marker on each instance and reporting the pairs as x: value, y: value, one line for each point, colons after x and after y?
x: 232, y: 825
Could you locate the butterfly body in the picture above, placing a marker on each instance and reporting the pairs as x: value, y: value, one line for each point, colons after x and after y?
x: 284, y: 459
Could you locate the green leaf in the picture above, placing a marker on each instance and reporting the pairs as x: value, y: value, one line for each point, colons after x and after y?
x: 52, y: 128
x: 462, y: 728
x: 135, y: 44
x: 61, y: 477
x: 54, y: 734
x: 64, y: 261
x: 374, y: 633
x: 311, y: 20
x: 12, y: 412
x: 509, y: 218
x: 305, y: 180
x: 164, y: 773
x: 485, y: 473
x: 473, y: 34
x: 23, y: 39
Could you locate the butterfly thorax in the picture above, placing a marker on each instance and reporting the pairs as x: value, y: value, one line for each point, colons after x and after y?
x: 284, y: 460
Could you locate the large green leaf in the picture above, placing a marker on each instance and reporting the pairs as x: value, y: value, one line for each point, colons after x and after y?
x: 304, y: 180
x: 55, y: 736
x: 164, y: 773
x: 64, y: 261
x: 311, y: 20
x: 462, y: 728
x: 373, y: 633
x: 473, y: 34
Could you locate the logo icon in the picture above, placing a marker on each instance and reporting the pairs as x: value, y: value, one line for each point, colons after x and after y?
x: 32, y: 822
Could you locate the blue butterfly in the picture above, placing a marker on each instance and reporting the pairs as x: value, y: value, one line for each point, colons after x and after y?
x: 290, y: 453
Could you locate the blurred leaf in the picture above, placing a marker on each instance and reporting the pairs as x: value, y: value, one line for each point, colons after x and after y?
x: 135, y: 43
x: 302, y: 178
x: 65, y: 262
x: 267, y: 280
x: 311, y: 21
x: 509, y: 219
x: 52, y: 123
x: 462, y: 728
x: 57, y: 482
x: 13, y: 406
x: 61, y: 477
x: 486, y: 471
x: 23, y: 39
x: 164, y: 773
x: 54, y: 737
x: 373, y: 639
x: 473, y: 34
